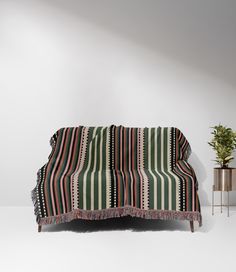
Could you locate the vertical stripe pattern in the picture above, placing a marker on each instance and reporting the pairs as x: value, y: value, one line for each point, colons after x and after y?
x: 97, y: 168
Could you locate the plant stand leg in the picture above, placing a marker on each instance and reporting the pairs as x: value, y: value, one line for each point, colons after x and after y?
x: 192, y: 226
x: 39, y: 228
x: 228, y: 203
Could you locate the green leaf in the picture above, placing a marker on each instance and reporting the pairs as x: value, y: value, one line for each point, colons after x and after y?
x: 223, y: 143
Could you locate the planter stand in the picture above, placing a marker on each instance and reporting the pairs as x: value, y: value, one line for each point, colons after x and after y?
x: 224, y: 181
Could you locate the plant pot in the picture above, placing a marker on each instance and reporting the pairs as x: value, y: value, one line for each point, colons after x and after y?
x: 223, y: 179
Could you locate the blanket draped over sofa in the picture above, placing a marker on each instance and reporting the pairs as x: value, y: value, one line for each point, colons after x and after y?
x: 104, y: 172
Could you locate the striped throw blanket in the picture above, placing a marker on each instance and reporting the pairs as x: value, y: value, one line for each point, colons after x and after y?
x: 104, y: 172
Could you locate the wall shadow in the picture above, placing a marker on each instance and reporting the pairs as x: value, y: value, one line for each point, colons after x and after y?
x: 200, y: 34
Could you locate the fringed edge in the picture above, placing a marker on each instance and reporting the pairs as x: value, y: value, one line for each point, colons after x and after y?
x: 34, y: 192
x: 35, y: 201
x: 120, y: 212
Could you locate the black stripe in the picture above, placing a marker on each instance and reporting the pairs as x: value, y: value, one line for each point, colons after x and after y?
x: 41, y: 171
x: 112, y: 164
x: 172, y: 147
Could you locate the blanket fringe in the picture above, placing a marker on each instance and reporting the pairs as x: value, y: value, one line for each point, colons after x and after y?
x: 34, y: 199
x: 34, y: 192
x: 120, y: 212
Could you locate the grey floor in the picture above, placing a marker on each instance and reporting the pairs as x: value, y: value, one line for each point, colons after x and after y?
x: 124, y: 244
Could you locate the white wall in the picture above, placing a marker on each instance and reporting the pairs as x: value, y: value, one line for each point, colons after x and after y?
x: 135, y: 63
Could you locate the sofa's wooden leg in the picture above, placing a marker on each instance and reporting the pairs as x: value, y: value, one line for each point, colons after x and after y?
x: 192, y: 226
x: 39, y: 228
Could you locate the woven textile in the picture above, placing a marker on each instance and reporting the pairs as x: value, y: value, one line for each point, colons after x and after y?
x: 103, y: 172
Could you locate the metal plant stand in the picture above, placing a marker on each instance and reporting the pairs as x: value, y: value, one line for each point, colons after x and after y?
x: 224, y: 181
x: 221, y: 205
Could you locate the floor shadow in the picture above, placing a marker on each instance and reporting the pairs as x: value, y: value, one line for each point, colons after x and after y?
x: 124, y: 224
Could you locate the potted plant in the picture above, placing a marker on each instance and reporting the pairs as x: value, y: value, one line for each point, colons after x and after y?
x: 223, y: 143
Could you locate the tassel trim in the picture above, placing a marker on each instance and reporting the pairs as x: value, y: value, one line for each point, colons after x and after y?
x: 34, y: 194
x: 121, y: 212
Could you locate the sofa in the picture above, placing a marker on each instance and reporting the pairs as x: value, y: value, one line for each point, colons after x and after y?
x: 95, y: 173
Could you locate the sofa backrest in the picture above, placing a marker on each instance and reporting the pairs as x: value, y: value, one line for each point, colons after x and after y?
x: 122, y: 148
